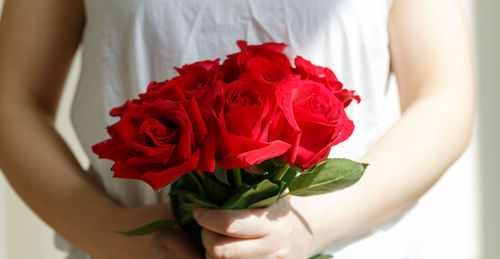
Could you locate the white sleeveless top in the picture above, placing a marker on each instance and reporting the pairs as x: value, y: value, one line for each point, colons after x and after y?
x: 128, y: 43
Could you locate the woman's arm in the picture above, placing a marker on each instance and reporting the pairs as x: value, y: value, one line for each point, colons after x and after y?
x: 431, y: 58
x: 38, y: 40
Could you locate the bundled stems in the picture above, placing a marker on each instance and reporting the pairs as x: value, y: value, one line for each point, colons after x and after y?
x: 198, y: 184
x: 281, y: 172
x: 237, y: 177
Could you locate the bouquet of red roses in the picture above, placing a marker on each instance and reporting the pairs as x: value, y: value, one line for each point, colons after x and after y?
x: 235, y: 135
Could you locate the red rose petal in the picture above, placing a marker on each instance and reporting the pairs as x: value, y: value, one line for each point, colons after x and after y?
x: 162, y: 178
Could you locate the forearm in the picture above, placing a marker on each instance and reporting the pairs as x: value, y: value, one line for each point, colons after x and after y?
x: 404, y: 164
x: 42, y: 170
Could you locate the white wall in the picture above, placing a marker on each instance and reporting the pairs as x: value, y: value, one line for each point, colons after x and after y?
x: 488, y: 43
x: 3, y: 208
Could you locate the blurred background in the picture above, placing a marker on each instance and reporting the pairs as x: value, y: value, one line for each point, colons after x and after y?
x: 462, y: 211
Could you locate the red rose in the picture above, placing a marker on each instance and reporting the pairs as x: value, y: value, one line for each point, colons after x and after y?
x: 199, y: 69
x: 244, y: 121
x: 325, y: 76
x: 196, y: 80
x: 266, y: 59
x: 253, y: 107
x: 313, y: 121
x: 158, y: 141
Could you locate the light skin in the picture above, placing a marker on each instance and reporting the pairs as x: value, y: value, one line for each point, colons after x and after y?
x: 430, y: 55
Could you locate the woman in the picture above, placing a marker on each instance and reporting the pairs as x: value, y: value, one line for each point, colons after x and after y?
x: 127, y: 43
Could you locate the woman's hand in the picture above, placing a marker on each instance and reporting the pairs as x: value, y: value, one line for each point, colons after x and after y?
x: 275, y: 232
x: 171, y: 243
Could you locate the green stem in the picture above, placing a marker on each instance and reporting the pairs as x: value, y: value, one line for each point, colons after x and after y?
x: 284, y: 195
x: 237, y: 177
x: 198, y: 184
x: 281, y: 172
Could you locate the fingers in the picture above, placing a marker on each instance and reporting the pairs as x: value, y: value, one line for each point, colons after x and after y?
x: 250, y: 233
x: 219, y: 246
x: 235, y: 223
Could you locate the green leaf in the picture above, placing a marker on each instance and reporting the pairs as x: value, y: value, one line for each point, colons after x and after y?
x: 287, y: 179
x: 320, y: 256
x: 151, y: 228
x: 247, y: 195
x: 238, y: 197
x: 267, y: 166
x: 221, y: 175
x: 196, y: 180
x: 331, y: 175
x: 262, y: 190
x: 264, y: 203
x: 194, y: 198
x: 216, y: 191
x: 185, y: 182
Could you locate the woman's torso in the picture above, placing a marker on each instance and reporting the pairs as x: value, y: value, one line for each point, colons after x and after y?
x: 128, y: 43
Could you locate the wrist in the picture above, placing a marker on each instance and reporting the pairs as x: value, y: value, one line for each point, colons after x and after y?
x: 112, y: 244
x: 325, y: 218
